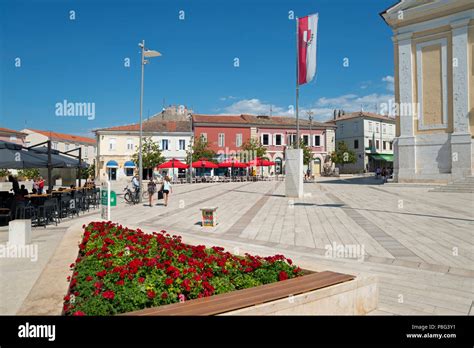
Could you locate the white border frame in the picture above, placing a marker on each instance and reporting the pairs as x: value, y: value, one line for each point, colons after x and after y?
x: 444, y: 82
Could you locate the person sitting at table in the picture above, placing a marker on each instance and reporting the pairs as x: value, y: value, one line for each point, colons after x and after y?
x: 23, y: 191
x: 40, y: 185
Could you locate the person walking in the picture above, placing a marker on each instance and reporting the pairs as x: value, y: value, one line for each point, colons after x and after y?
x: 167, y: 189
x: 151, y: 190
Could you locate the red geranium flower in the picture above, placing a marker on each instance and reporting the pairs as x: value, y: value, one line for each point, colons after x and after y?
x: 101, y: 273
x: 109, y: 295
x: 79, y: 313
x: 151, y: 294
x: 89, y: 278
x: 169, y: 281
x: 282, y: 275
x: 164, y: 295
x: 141, y: 280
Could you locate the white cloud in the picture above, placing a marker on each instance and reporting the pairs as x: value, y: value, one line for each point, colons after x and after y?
x: 230, y: 97
x: 389, y: 80
x: 253, y: 106
x: 322, y: 109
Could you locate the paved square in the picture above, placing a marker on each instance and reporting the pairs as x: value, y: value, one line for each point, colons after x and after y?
x: 419, y: 243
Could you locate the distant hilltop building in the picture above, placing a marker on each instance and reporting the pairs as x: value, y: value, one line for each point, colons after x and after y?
x: 175, y: 113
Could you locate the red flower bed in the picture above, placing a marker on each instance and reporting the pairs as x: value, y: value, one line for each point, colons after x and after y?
x: 121, y: 270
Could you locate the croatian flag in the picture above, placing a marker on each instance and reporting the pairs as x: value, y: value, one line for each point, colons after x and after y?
x: 307, y: 37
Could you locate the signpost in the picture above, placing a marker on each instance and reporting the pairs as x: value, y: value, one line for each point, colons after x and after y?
x: 107, y: 199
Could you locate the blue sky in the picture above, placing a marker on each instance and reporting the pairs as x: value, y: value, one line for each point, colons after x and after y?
x: 82, y: 60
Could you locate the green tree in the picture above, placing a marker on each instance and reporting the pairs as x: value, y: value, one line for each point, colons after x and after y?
x: 29, y: 173
x: 307, y: 155
x: 343, y: 155
x: 250, y: 148
x: 200, y: 149
x: 4, y: 172
x: 89, y: 172
x: 151, y: 154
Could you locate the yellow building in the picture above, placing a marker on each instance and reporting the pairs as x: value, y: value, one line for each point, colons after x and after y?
x: 434, y: 89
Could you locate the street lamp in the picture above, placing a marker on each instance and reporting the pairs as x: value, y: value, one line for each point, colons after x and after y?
x: 148, y: 54
x: 310, y: 117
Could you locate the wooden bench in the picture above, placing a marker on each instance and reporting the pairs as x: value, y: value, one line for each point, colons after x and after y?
x: 238, y: 299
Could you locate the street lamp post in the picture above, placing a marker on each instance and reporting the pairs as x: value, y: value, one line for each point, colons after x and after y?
x: 148, y: 54
x: 310, y: 117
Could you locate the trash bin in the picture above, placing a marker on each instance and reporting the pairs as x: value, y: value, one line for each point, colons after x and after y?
x: 209, y: 216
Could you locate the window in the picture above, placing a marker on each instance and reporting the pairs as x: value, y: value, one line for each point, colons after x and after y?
x: 306, y: 139
x: 111, y: 144
x: 384, y: 128
x: 129, y: 144
x: 13, y: 138
x: 66, y: 147
x: 278, y: 139
x: 86, y: 151
x: 356, y: 144
x: 129, y: 171
x: 204, y: 136
x: 377, y: 144
x: 317, y: 140
x: 238, y: 140
x: 384, y: 145
x: 164, y: 144
x: 265, y: 139
x: 182, y: 144
x: 377, y: 128
x: 371, y: 144
x: 221, y: 140
x: 391, y: 145
x: 291, y: 139
x: 371, y: 126
x: 55, y: 145
x: 356, y: 126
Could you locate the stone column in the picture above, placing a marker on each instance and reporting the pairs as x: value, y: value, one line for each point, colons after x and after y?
x: 294, y: 173
x: 404, y: 145
x: 461, y: 151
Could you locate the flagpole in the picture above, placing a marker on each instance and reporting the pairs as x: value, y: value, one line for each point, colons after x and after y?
x: 297, y: 90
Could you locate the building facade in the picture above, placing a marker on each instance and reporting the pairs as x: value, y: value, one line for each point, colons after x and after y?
x: 117, y: 145
x: 371, y: 138
x: 13, y: 136
x: 226, y: 134
x: 434, y: 89
x: 63, y: 142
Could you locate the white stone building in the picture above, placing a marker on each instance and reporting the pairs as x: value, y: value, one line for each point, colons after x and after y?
x: 117, y: 145
x: 370, y: 136
x: 63, y: 142
x: 434, y: 89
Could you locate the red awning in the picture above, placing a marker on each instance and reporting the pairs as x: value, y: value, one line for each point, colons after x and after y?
x: 233, y: 164
x: 203, y: 163
x: 173, y: 163
x: 261, y: 162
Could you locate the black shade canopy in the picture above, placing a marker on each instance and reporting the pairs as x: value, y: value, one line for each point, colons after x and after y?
x: 14, y: 156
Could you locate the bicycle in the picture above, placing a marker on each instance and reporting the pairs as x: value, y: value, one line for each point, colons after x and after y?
x: 130, y: 197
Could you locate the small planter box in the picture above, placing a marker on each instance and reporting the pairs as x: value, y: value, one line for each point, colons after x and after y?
x: 209, y: 217
x: 322, y: 293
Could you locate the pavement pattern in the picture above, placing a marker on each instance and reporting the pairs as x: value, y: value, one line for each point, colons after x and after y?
x: 419, y: 243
